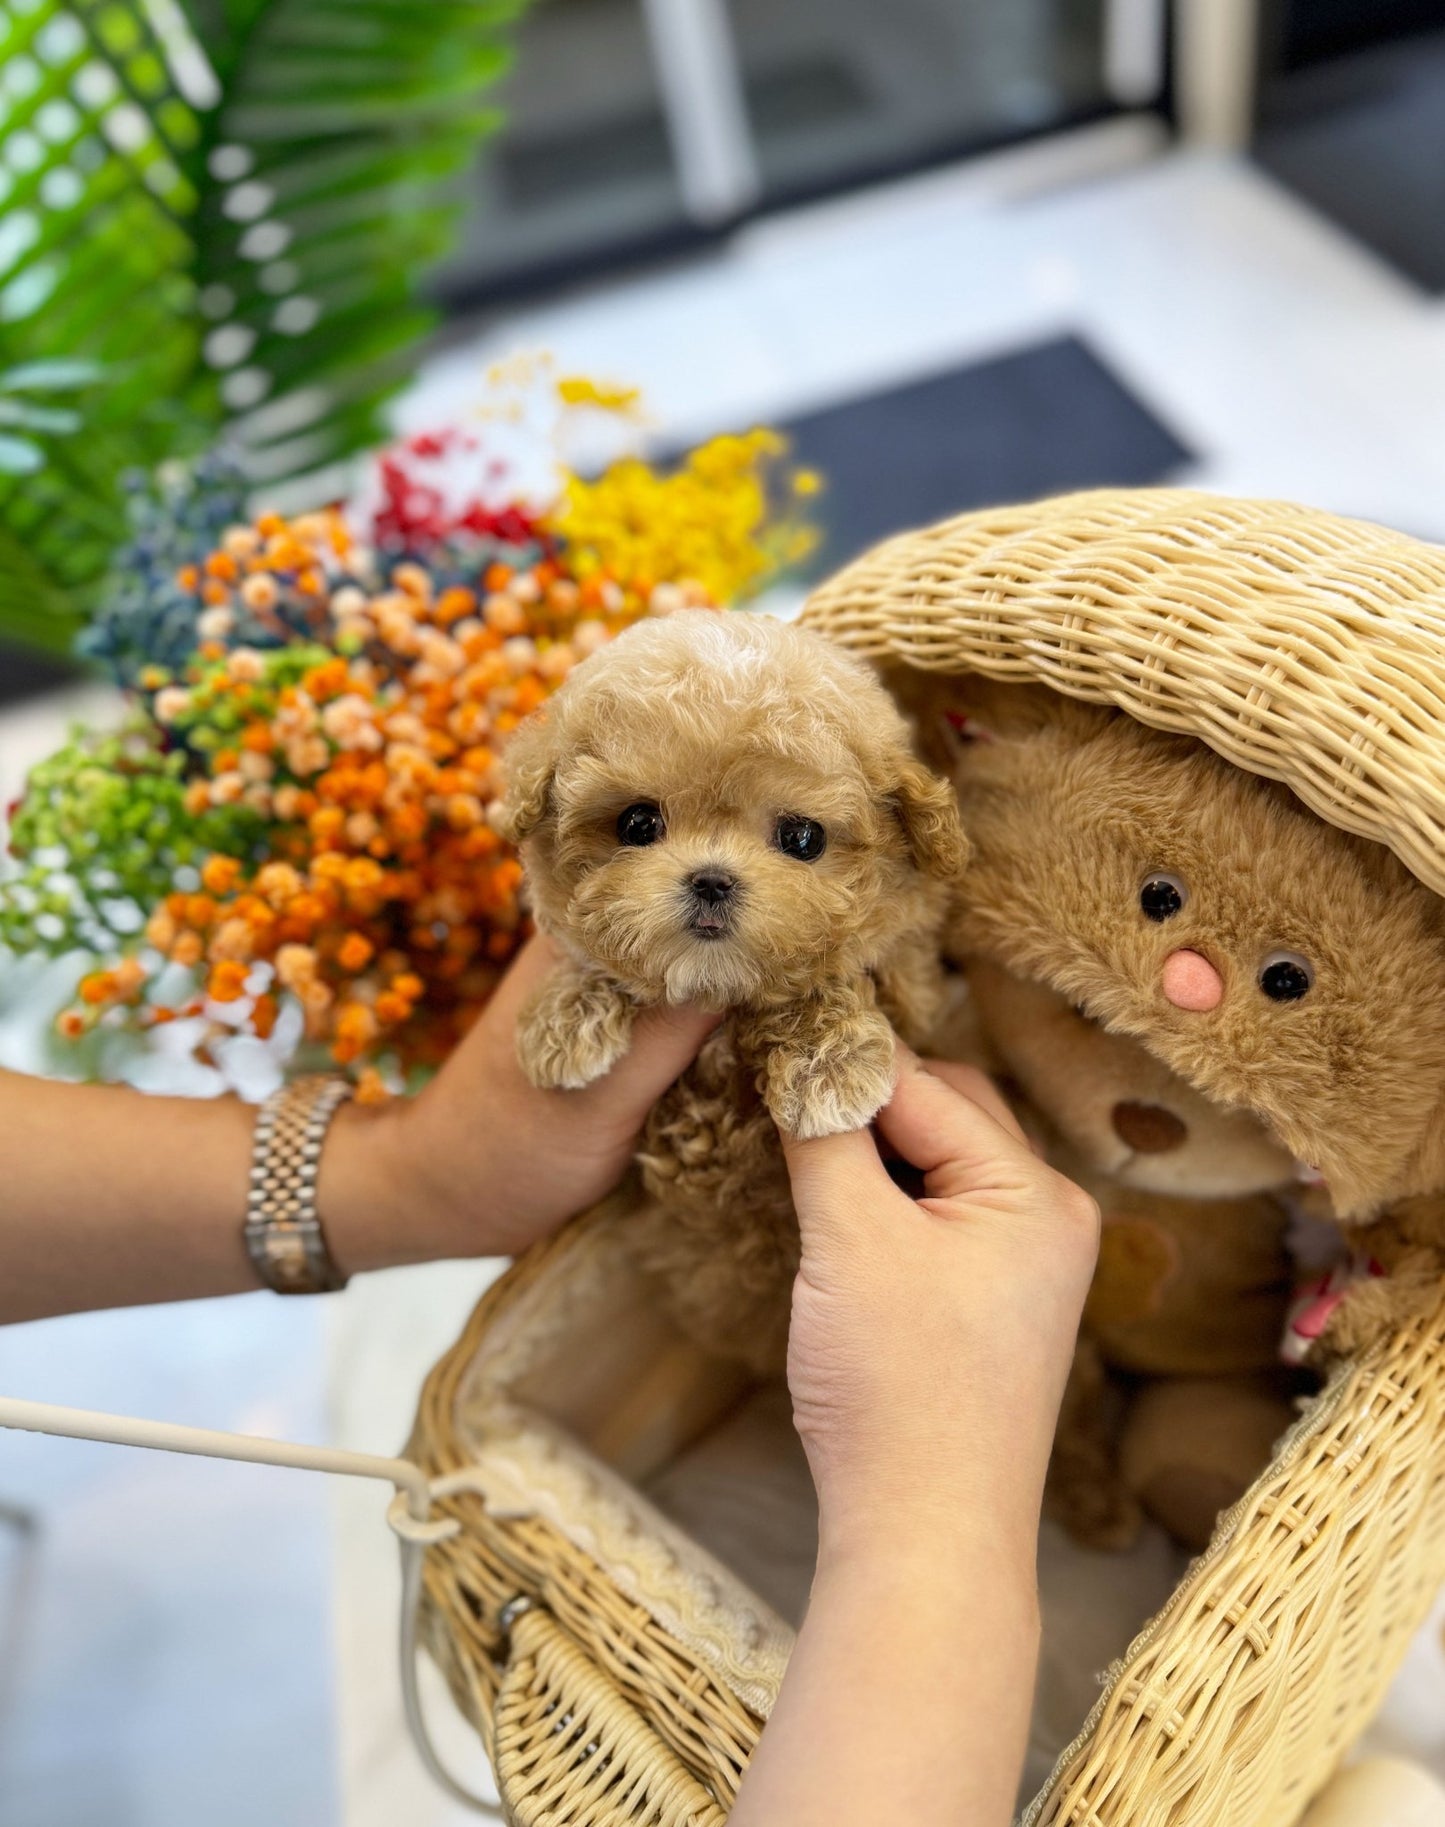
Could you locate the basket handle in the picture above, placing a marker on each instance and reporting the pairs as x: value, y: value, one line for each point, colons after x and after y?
x: 409, y: 1515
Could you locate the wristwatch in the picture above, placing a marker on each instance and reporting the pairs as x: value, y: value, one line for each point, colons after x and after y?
x: 284, y: 1239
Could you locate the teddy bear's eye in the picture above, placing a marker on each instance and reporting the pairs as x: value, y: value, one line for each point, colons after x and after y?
x: 640, y: 825
x: 1162, y: 896
x: 1285, y: 976
x: 803, y: 838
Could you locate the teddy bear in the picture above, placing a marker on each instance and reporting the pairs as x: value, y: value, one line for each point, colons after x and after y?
x: 1221, y: 1010
x: 1176, y: 1391
x: 723, y: 808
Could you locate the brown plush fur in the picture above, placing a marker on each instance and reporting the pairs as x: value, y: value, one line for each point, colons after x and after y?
x: 1190, y: 1293
x: 725, y: 722
x: 1194, y: 1445
x: 1409, y: 1244
x: 1069, y: 807
x: 1100, y: 1091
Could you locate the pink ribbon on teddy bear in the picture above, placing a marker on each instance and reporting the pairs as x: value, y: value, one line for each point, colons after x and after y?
x: 1316, y: 1300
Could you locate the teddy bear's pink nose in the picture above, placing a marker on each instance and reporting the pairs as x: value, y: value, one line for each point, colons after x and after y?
x: 1190, y: 981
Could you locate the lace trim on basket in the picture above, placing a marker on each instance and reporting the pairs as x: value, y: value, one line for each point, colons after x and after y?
x: 533, y: 1470
x: 528, y: 1465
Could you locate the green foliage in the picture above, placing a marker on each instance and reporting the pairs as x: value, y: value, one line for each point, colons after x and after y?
x: 229, y: 225
x: 29, y: 410
x: 216, y: 707
x: 98, y: 839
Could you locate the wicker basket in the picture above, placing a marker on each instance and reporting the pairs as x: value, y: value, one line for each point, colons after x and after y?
x: 616, y: 1671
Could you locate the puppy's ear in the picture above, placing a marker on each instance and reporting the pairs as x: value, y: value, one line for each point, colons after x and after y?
x: 528, y: 769
x: 928, y: 812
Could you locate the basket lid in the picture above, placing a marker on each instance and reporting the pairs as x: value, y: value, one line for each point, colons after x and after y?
x: 1298, y: 644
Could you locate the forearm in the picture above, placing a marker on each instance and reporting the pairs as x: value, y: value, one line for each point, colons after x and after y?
x: 907, y: 1697
x: 110, y: 1197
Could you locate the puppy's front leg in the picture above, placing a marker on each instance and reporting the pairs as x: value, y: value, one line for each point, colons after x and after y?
x: 574, y: 1028
x: 827, y: 1061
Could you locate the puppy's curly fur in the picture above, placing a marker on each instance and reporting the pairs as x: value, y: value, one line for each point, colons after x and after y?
x: 719, y: 726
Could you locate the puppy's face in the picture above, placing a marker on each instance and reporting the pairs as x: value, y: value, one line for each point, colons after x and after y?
x: 721, y: 808
x: 715, y: 886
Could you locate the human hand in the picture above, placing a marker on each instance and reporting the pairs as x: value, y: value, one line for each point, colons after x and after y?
x: 481, y: 1162
x: 931, y: 1338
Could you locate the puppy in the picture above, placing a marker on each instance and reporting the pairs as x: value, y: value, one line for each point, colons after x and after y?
x: 725, y: 809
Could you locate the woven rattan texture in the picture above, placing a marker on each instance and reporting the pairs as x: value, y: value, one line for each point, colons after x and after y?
x: 1300, y: 645
x: 576, y: 1751
x: 1242, y: 1697
x: 1234, y: 1706
x: 693, y: 1725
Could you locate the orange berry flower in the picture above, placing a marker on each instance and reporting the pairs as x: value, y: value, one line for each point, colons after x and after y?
x: 338, y: 734
x: 227, y: 981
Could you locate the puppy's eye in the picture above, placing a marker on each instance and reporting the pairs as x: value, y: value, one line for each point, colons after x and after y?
x: 1162, y: 896
x: 1285, y: 976
x: 803, y: 838
x: 640, y: 825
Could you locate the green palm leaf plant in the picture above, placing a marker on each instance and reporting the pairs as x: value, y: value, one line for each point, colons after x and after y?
x: 214, y: 219
x: 29, y: 410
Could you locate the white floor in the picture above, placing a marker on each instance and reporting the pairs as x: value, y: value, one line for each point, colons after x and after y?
x: 197, y: 1649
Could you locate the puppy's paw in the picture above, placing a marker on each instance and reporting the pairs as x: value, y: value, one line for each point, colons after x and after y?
x: 573, y: 1032
x: 837, y: 1088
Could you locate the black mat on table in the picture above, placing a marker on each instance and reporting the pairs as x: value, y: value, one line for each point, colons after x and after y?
x: 24, y: 673
x: 1036, y: 422
x: 1362, y: 138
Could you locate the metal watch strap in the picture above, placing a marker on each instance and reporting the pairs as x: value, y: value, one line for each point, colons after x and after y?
x: 283, y: 1233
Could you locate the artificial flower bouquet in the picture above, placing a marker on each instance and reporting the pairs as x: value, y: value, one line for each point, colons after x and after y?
x: 289, y: 838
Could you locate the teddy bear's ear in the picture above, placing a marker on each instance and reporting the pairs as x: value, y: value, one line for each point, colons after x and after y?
x: 928, y: 812
x: 950, y: 713
x: 529, y: 769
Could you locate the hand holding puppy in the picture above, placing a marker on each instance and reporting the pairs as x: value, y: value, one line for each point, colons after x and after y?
x: 724, y: 809
x: 931, y: 1340
x: 932, y: 1337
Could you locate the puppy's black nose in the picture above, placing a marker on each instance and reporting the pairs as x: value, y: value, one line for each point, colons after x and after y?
x: 712, y: 886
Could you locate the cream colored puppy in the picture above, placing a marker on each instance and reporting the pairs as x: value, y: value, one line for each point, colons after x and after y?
x: 724, y: 808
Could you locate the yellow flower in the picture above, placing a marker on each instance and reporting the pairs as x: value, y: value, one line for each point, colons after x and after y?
x: 578, y: 390
x: 714, y: 522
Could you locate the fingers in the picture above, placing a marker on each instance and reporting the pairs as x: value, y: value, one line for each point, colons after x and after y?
x: 665, y: 1041
x: 950, y: 1121
x: 831, y: 1173
x: 958, y: 1139
x: 530, y: 968
x: 973, y: 1083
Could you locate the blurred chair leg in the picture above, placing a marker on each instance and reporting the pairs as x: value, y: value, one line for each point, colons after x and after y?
x: 1218, y: 56
x: 1135, y: 37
